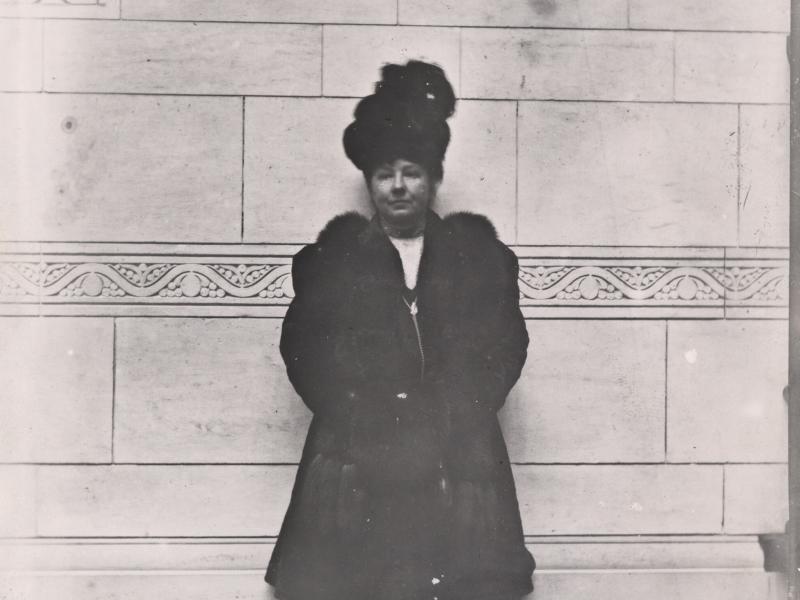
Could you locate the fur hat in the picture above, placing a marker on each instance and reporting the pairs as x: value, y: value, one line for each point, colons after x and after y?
x: 406, y: 117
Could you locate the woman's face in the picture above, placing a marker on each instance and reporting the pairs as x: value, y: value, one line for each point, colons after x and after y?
x: 401, y: 192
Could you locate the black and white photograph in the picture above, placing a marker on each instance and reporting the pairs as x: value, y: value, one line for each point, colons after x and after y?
x: 399, y: 300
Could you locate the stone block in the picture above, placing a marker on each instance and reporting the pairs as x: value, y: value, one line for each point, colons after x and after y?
x: 130, y: 585
x: 566, y: 64
x: 17, y: 501
x: 21, y: 45
x: 293, y: 187
x: 204, y: 501
x: 731, y: 67
x: 121, y: 168
x: 756, y: 498
x: 592, y: 391
x: 56, y: 377
x: 654, y: 585
x: 163, y: 500
x: 275, y: 11
x: 354, y: 55
x: 619, y: 499
x: 61, y: 9
x: 725, y: 383
x: 583, y: 14
x: 479, y: 169
x: 182, y: 58
x: 764, y: 191
x: 652, y: 553
x: 145, y: 554
x: 627, y: 174
x: 733, y: 15
x: 204, y: 391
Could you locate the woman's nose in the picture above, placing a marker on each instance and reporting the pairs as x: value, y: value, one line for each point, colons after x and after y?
x: 398, y: 183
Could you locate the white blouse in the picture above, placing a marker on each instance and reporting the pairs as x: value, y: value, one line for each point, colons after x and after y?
x: 410, y: 250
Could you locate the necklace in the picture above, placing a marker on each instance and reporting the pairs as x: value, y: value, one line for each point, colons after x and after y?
x: 412, y: 308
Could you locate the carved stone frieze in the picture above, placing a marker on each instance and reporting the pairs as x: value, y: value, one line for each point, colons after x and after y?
x: 181, y: 279
x: 186, y: 282
x: 609, y: 284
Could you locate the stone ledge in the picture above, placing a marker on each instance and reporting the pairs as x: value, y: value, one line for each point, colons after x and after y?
x: 656, y: 567
x: 237, y: 554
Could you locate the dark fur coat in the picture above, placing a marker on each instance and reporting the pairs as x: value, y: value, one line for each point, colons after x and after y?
x: 404, y: 490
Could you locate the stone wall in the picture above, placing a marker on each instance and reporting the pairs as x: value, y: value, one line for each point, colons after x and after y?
x: 164, y: 159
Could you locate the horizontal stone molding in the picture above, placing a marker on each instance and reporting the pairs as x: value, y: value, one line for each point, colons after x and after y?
x: 199, y: 554
x: 727, y: 584
x: 256, y: 280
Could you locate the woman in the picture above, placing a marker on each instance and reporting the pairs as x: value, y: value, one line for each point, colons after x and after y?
x: 404, y: 338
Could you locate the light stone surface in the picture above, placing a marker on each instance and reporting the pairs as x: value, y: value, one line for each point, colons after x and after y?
x: 738, y: 15
x: 619, y: 499
x: 511, y: 13
x: 276, y: 11
x: 571, y: 553
x: 21, y: 49
x: 164, y: 500
x: 731, y: 67
x: 233, y: 585
x: 653, y: 552
x: 61, y: 9
x: 130, y: 585
x: 675, y: 585
x: 566, y: 64
x: 17, y: 501
x: 353, y: 55
x: 297, y: 176
x: 56, y: 382
x: 121, y: 168
x: 764, y: 192
x: 479, y: 169
x: 756, y: 498
x: 293, y: 187
x: 202, y: 501
x: 204, y: 391
x: 592, y: 391
x: 725, y: 383
x: 182, y: 58
x: 627, y: 174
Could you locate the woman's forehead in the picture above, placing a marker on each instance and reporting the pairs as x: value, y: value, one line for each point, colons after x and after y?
x: 399, y: 163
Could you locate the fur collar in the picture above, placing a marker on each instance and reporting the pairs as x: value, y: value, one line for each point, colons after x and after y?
x: 344, y: 226
x: 469, y: 223
x: 348, y: 226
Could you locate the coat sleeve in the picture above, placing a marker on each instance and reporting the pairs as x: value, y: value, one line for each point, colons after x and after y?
x: 490, y: 354
x: 308, y: 337
x: 318, y: 348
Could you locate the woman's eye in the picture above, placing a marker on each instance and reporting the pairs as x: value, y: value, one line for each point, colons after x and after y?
x: 413, y: 174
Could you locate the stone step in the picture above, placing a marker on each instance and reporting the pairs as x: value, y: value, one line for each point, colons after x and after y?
x: 668, y: 567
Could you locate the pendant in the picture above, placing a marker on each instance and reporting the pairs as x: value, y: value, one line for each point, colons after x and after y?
x: 413, y: 308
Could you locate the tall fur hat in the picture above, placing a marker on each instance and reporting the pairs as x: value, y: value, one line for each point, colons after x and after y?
x: 406, y: 117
